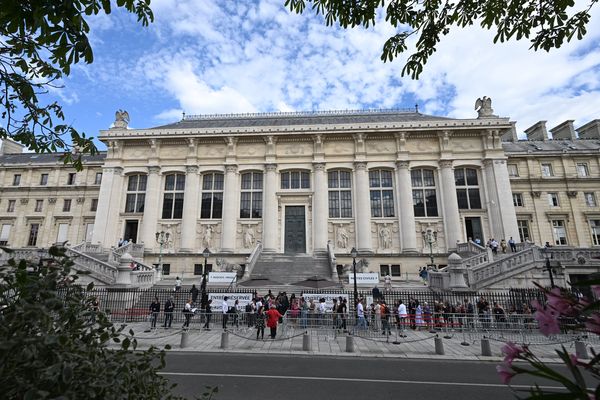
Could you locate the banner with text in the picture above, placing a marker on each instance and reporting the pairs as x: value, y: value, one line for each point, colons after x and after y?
x: 221, y: 277
x: 365, y: 278
x: 217, y: 299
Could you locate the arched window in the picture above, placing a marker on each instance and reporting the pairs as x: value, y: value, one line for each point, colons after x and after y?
x: 340, y: 194
x: 467, y: 188
x: 173, y: 196
x: 424, y: 195
x: 136, y: 193
x: 295, y: 180
x: 212, y: 196
x: 382, y: 193
x: 251, y: 195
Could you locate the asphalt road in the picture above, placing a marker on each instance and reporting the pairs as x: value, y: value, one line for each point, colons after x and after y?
x: 257, y: 376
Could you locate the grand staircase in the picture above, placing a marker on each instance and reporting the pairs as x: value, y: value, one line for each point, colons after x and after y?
x: 290, y: 269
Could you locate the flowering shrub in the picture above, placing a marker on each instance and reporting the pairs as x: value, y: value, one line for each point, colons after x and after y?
x: 561, y: 306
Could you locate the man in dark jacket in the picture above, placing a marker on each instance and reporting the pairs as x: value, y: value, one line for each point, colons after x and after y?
x: 169, y: 308
x: 154, y: 310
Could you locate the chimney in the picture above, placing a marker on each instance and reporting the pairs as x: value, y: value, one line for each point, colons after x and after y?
x: 564, y: 131
x: 537, y: 131
x: 510, y: 135
x: 591, y: 130
x: 9, y: 146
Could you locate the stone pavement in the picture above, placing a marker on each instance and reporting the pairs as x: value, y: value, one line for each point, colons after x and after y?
x: 417, y: 344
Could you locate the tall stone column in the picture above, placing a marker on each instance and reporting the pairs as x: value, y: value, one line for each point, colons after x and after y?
x: 270, y: 210
x: 230, y: 209
x: 109, y: 207
x: 502, y: 212
x: 320, y: 209
x: 407, y: 211
x: 151, y: 208
x: 190, y: 209
x: 450, y: 204
x: 363, y: 208
x: 492, y: 199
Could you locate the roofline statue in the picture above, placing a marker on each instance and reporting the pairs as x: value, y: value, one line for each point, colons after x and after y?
x: 484, y: 109
x: 121, y: 119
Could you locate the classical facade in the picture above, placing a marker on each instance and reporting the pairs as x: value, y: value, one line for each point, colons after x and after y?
x: 399, y: 186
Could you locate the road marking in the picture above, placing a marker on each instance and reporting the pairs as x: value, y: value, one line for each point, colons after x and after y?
x: 338, y: 379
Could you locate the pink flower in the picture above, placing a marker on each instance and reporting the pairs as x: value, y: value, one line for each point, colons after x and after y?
x: 560, y: 302
x: 596, y: 290
x: 547, y: 320
x: 505, y: 371
x: 593, y: 324
x: 574, y: 359
x: 511, y: 351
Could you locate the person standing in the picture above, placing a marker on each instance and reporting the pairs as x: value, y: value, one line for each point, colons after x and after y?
x: 360, y: 313
x: 187, y: 313
x: 387, y: 285
x: 208, y: 313
x: 194, y: 292
x: 503, y: 246
x: 154, y: 310
x: 512, y: 244
x: 225, y: 311
x: 177, y: 284
x: 402, y: 317
x: 260, y: 323
x: 343, y: 312
x: 169, y: 308
x: 272, y: 319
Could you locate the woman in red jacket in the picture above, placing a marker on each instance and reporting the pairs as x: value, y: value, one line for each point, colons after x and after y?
x: 272, y: 318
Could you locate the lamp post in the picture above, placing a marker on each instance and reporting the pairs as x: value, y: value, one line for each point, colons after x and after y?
x: 203, y: 299
x: 162, y: 238
x: 354, y: 253
x: 430, y: 237
x: 548, y: 267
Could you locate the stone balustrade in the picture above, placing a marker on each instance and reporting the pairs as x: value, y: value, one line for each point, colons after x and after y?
x: 252, y: 259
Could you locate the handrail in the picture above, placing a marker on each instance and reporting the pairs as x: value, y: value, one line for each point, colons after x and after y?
x: 252, y: 259
x: 104, y: 269
x: 332, y: 260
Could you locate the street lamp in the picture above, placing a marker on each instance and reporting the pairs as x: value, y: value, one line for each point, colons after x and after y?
x: 430, y: 237
x: 203, y: 299
x: 548, y: 267
x: 354, y: 253
x: 162, y: 238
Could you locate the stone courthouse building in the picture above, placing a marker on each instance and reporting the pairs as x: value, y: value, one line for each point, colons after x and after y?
x: 400, y: 187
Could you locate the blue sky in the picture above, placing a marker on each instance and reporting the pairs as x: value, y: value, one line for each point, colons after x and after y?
x: 226, y: 56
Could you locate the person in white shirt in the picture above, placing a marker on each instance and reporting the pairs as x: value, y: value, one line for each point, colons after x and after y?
x: 360, y: 312
x: 225, y: 310
x: 402, y: 317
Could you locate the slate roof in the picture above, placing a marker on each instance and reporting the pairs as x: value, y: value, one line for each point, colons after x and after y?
x: 298, y: 118
x: 539, y: 146
x: 45, y: 158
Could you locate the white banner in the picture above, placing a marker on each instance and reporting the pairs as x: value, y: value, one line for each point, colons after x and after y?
x: 328, y: 299
x: 217, y: 299
x: 221, y: 277
x: 365, y: 279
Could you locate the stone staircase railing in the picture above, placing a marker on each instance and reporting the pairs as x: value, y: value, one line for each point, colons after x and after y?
x: 100, y: 270
x: 470, y: 247
x: 135, y: 249
x: 252, y: 259
x: 484, y: 275
x: 332, y: 261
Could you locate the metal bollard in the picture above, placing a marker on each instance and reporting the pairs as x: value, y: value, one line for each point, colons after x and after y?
x: 581, y: 350
x: 224, y: 340
x: 184, y: 339
x: 486, y: 349
x: 349, y: 344
x: 439, y: 346
x: 306, y: 342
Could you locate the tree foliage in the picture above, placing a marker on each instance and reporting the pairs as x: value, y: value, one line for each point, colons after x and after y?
x: 39, y: 42
x: 548, y: 24
x: 54, y: 344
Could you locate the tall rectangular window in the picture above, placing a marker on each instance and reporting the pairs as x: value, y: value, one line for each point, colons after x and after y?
x: 582, y: 170
x: 424, y: 193
x: 63, y: 233
x: 11, y: 206
x: 467, y: 188
x: 98, y: 178
x: 5, y: 234
x: 595, y: 227
x: 560, y: 232
x: 590, y: 199
x: 340, y: 194
x: 173, y: 196
x: 518, y: 199
x: 553, y: 200
x: 38, y: 205
x: 211, y: 206
x: 251, y: 195
x: 393, y: 270
x: 16, y: 179
x: 67, y: 205
x: 94, y: 205
x: 547, y: 170
x: 43, y: 179
x: 382, y: 193
x: 33, y: 234
x: 523, y: 226
x: 136, y: 194
x: 71, y: 178
x: 513, y: 170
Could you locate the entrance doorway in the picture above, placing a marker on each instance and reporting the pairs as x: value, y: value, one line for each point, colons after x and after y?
x: 131, y: 230
x: 474, y: 231
x: 295, y: 229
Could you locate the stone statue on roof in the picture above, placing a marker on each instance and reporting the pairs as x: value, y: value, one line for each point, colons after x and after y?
x: 121, y: 119
x: 483, y: 106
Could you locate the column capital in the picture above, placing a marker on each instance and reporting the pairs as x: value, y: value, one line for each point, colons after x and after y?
x: 446, y: 163
x: 402, y: 164
x: 271, y: 167
x: 231, y: 168
x: 319, y: 166
x: 488, y: 163
x: 360, y: 165
x: 192, y: 169
x: 154, y: 169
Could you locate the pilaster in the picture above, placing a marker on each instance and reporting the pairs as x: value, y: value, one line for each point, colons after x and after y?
x: 407, y: 212
x: 450, y: 205
x: 270, y: 210
x: 190, y: 209
x: 320, y: 209
x: 363, y: 208
x: 230, y: 209
x: 151, y: 207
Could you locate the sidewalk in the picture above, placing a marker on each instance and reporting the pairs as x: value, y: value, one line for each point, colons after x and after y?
x: 417, y: 344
